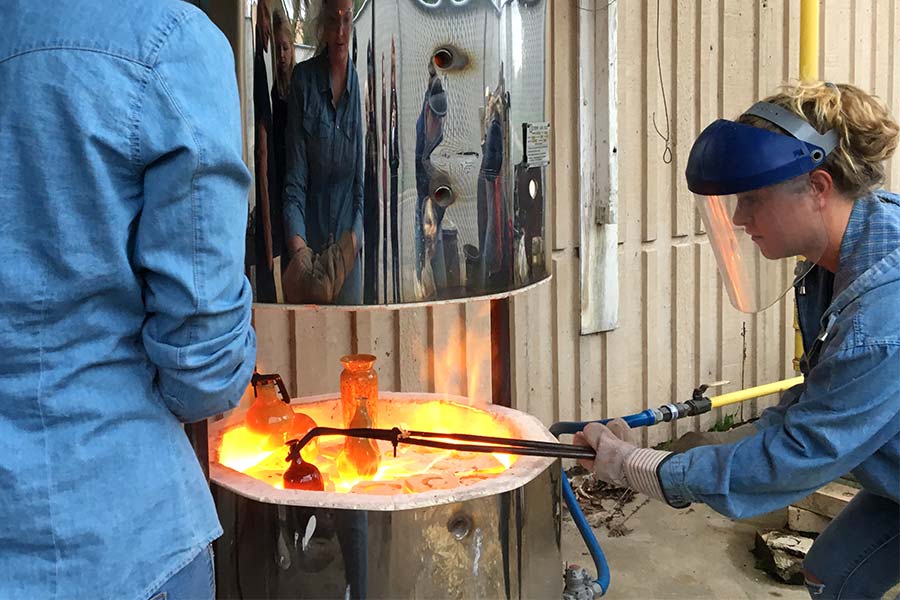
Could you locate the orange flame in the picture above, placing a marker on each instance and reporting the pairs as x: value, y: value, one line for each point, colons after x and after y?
x: 459, y: 361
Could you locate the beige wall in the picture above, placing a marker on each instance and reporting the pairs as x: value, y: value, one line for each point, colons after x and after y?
x: 676, y: 327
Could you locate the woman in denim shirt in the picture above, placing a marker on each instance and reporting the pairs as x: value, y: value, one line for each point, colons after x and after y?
x: 125, y: 311
x: 323, y: 189
x: 820, y: 150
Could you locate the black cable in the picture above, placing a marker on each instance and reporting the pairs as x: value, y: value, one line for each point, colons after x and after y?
x: 667, y: 153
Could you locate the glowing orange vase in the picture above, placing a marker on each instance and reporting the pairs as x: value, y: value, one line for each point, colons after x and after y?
x: 360, y: 457
x: 269, y: 416
x: 359, y: 380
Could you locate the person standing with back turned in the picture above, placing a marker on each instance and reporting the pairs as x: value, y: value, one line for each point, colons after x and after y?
x: 124, y: 311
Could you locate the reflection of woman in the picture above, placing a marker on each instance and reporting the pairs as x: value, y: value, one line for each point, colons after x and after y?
x: 429, y: 134
x: 281, y: 86
x: 494, y: 235
x: 799, y: 174
x: 323, y: 190
x: 266, y: 199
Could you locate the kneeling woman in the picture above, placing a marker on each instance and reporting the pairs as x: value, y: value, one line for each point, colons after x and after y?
x: 798, y: 175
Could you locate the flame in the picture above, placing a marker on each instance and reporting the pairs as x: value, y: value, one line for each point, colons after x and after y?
x: 478, y: 350
x: 242, y: 449
x: 504, y: 459
x: 409, y: 472
x: 460, y: 367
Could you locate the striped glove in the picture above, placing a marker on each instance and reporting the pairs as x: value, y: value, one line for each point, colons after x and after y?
x: 621, y: 462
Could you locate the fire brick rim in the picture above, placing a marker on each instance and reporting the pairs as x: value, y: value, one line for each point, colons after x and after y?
x: 523, y: 471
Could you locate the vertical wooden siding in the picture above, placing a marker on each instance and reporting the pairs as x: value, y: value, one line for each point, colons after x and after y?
x: 677, y: 328
x: 440, y: 348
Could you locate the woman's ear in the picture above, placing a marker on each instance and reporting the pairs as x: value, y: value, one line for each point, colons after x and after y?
x: 821, y: 184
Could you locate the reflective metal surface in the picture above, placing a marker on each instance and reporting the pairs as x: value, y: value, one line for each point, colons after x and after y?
x: 501, y: 546
x: 446, y: 100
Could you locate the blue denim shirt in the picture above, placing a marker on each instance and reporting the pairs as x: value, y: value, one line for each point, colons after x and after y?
x: 323, y: 183
x: 846, y: 418
x: 124, y: 310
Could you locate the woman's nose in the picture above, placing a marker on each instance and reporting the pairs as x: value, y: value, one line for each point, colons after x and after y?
x: 741, y: 214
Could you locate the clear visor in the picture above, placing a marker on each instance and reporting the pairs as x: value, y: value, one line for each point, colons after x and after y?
x: 758, y: 237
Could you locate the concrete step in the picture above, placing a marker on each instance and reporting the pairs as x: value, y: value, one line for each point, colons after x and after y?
x: 828, y: 500
x: 805, y: 521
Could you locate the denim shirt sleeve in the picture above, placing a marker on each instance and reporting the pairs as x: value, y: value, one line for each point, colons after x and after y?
x: 296, y: 169
x: 847, y: 412
x: 189, y: 247
x: 774, y: 415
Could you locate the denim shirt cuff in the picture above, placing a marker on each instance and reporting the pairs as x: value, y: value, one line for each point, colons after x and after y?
x: 672, y: 480
x: 294, y: 224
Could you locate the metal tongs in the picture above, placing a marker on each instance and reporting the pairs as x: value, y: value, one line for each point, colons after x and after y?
x: 431, y: 439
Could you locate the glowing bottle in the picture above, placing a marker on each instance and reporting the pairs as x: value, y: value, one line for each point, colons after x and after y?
x: 269, y: 416
x: 359, y: 382
x: 301, y: 475
x: 359, y: 458
x: 300, y: 426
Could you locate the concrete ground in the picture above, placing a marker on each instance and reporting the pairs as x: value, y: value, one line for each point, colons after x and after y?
x: 692, y: 554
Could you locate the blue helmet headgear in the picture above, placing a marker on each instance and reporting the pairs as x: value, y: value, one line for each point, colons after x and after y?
x: 730, y: 157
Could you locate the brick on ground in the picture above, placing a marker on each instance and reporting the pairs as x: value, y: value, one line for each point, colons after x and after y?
x: 828, y: 500
x: 805, y: 521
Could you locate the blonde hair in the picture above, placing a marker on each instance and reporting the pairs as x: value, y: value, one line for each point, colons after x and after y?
x: 320, y: 23
x: 867, y: 132
x: 318, y: 26
x: 280, y: 23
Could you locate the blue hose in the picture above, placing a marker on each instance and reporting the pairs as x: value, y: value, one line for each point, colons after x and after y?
x: 641, y: 419
x: 587, y: 534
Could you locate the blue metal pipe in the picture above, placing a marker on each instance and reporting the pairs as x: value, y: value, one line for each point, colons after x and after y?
x: 641, y: 419
x: 644, y: 418
x: 587, y: 534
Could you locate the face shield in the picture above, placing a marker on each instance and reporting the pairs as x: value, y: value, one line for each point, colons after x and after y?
x: 753, y: 193
x: 758, y: 236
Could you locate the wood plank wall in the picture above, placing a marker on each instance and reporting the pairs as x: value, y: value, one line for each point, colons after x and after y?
x: 440, y: 348
x: 677, y: 328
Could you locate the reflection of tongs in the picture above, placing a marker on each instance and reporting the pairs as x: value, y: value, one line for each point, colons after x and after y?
x: 269, y: 379
x: 482, y: 443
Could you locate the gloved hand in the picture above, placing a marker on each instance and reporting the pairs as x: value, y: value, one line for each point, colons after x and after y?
x: 297, y: 281
x: 693, y: 439
x: 335, y: 264
x: 613, y: 445
x: 621, y: 462
x: 311, y: 279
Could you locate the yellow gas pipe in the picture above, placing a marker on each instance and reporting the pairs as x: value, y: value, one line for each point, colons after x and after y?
x: 809, y: 71
x: 809, y: 40
x: 754, y: 392
x: 798, y: 340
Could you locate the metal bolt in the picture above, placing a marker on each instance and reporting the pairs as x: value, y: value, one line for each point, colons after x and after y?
x: 459, y: 526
